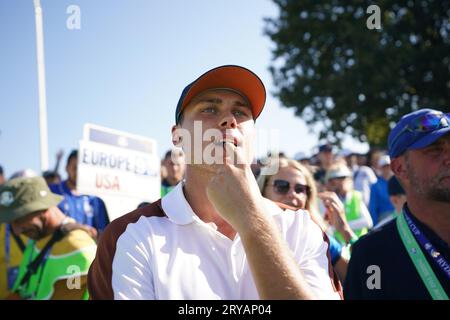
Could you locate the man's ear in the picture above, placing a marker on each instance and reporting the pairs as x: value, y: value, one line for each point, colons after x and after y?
x: 176, y: 138
x: 399, y: 168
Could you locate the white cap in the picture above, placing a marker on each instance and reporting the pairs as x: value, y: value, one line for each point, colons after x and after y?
x: 338, y: 172
x: 345, y: 153
x: 301, y: 156
x: 384, y: 161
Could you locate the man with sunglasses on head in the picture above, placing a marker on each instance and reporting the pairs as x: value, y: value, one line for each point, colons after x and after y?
x: 408, y: 258
x: 214, y: 236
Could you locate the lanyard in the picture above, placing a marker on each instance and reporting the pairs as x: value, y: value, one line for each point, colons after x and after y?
x: 7, y: 244
x: 440, y: 261
x: 23, y: 286
x: 420, y: 262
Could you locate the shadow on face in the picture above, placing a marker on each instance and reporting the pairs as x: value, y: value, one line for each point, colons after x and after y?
x: 31, y: 225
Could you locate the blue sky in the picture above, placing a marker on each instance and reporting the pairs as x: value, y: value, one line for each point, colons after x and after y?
x: 125, y: 69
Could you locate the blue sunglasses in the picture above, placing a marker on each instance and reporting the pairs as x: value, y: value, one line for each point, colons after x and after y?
x: 426, y: 123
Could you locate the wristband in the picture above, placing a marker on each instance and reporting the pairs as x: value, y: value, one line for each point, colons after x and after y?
x: 353, y: 240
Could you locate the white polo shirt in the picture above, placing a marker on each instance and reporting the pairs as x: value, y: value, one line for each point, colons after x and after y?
x: 182, y: 257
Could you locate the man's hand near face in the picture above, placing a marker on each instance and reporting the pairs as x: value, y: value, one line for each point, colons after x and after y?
x: 235, y: 195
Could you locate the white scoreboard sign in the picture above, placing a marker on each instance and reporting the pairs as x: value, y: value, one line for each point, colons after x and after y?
x: 121, y: 168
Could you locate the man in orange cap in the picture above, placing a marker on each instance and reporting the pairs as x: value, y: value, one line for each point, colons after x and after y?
x: 214, y: 236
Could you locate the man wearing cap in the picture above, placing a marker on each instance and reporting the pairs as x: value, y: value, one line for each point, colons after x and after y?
x: 214, y: 236
x: 58, y: 255
x: 325, y: 159
x: 174, y: 163
x: 86, y: 209
x: 397, y: 197
x: 339, y: 180
x: 408, y: 258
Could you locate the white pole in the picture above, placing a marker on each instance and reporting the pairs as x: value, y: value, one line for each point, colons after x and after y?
x: 41, y: 85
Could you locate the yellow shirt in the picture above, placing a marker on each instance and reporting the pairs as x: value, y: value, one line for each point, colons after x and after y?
x: 74, y: 241
x: 14, y: 259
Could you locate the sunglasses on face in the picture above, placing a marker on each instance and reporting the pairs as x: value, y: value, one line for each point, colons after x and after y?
x: 426, y: 123
x: 283, y: 187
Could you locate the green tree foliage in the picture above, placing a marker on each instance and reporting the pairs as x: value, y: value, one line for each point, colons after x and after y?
x: 333, y: 69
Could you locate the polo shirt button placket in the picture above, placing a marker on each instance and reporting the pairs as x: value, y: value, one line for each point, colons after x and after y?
x: 237, y: 256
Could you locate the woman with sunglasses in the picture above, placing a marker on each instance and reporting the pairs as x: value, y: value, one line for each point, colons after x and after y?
x: 290, y: 183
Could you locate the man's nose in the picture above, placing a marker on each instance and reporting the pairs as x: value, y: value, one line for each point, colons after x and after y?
x: 228, y: 121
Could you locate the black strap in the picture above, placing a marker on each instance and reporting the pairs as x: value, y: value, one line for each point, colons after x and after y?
x: 34, y: 265
x: 57, y: 236
x: 18, y: 240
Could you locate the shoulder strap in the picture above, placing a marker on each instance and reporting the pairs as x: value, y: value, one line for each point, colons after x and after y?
x: 34, y: 265
x: 18, y: 241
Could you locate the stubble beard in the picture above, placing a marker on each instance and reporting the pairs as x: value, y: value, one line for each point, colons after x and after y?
x: 430, y: 188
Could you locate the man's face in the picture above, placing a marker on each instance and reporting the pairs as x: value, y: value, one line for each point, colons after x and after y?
x: 376, y: 155
x: 175, y: 170
x: 32, y: 225
x: 427, y: 171
x: 325, y: 157
x: 386, y: 171
x: 223, y: 114
x: 338, y: 185
x: 72, y: 170
x: 362, y: 160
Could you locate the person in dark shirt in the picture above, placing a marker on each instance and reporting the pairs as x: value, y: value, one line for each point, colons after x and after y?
x: 325, y: 158
x: 408, y: 258
x: 85, y: 209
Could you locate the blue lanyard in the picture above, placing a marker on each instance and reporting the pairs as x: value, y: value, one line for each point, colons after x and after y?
x: 7, y: 244
x: 437, y: 258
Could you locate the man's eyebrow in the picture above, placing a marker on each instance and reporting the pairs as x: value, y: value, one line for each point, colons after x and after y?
x: 437, y: 143
x: 237, y: 103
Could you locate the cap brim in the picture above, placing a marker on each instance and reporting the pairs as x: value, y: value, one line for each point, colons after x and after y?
x: 232, y: 77
x: 52, y: 200
x: 429, y: 139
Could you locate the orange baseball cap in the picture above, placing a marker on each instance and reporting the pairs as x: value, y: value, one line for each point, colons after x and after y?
x: 229, y: 76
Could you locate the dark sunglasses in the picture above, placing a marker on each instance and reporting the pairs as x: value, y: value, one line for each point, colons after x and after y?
x: 283, y: 187
x: 426, y: 123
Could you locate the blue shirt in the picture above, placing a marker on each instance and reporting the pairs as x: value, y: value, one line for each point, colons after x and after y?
x: 380, y: 205
x: 89, y: 210
x: 335, y: 250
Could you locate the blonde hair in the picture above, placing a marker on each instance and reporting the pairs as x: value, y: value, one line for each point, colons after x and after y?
x: 311, y: 204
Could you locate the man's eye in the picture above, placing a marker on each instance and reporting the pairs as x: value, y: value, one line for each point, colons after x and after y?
x: 240, y: 113
x: 209, y: 110
x: 435, y: 149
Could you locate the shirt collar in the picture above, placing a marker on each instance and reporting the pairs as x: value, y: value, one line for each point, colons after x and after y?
x: 176, y: 206
x: 180, y: 212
